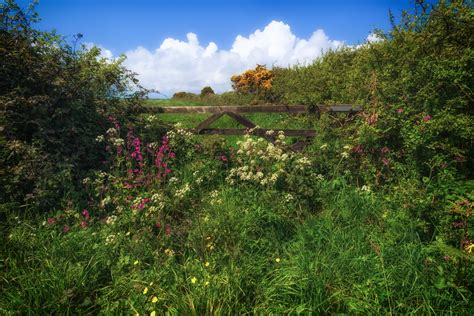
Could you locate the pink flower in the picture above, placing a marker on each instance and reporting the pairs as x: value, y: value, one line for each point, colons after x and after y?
x: 84, y: 224
x: 400, y: 110
x: 51, y: 221
x: 223, y: 158
x: 384, y: 150
x: 446, y: 258
x: 167, y: 229
x: 427, y: 118
x: 66, y: 228
x: 86, y: 214
x: 172, y: 155
x: 385, y: 161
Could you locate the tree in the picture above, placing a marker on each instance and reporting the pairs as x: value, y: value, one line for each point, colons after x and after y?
x: 206, y: 91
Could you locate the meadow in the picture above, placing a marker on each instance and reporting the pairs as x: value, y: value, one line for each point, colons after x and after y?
x: 107, y: 211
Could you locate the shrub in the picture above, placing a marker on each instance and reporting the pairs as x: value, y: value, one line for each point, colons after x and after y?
x: 206, y: 91
x: 256, y: 82
x: 55, y: 99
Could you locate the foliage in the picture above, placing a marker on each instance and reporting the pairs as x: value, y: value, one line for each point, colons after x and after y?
x: 374, y: 217
x: 55, y: 100
x: 185, y: 95
x: 206, y: 91
x: 256, y: 82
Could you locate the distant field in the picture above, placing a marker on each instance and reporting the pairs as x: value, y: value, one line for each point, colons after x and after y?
x: 265, y: 120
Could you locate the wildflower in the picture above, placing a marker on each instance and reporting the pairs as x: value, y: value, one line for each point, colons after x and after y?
x: 469, y: 248
x: 206, y: 283
x: 100, y: 138
x: 193, y: 280
x: 154, y: 299
x: 51, y: 221
x: 384, y: 150
x: 66, y: 229
x: 145, y: 290
x: 427, y: 118
x: 207, y: 264
x: 136, y: 262
x: 277, y: 260
x: 169, y: 252
x: 86, y: 214
x: 446, y: 258
x: 400, y: 110
x: 167, y: 229
x: 385, y: 161
x: 84, y: 224
x: 153, y: 313
x: 110, y: 239
x: 345, y: 154
x: 111, y: 219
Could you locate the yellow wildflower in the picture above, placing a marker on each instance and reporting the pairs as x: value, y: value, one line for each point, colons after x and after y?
x: 277, y: 260
x: 145, y: 290
x: 206, y: 283
x: 207, y: 264
x: 153, y: 313
x: 469, y: 248
x: 136, y: 262
x: 193, y: 280
x: 154, y: 299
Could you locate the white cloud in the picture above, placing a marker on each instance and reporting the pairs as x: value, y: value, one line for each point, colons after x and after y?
x: 188, y: 66
x: 373, y: 38
x: 104, y: 52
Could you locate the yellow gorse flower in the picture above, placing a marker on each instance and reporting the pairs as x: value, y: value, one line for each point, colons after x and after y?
x: 145, y: 290
x: 154, y: 299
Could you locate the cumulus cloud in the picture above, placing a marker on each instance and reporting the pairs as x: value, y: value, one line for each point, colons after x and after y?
x: 373, y: 38
x: 188, y: 65
x: 104, y: 52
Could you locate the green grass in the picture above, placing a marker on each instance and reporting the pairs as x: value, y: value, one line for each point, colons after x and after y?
x: 274, y: 121
x: 235, y: 248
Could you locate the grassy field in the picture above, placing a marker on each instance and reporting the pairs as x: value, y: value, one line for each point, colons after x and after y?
x: 213, y: 239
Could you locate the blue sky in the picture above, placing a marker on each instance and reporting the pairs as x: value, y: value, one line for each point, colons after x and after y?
x: 182, y: 45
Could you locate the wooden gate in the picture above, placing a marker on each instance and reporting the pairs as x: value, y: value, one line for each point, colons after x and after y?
x: 235, y: 112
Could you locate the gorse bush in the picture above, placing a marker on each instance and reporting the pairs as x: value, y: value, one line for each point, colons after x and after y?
x: 55, y: 99
x: 257, y: 82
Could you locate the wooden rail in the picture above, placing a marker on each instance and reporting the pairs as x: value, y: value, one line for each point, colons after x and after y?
x: 254, y: 109
x: 233, y: 112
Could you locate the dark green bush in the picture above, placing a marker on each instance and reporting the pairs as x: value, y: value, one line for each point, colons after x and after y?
x: 55, y: 98
x: 206, y: 91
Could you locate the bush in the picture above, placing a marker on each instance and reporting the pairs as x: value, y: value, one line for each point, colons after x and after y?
x: 55, y: 99
x: 206, y: 91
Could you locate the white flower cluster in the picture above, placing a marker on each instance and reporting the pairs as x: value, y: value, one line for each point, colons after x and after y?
x: 111, y: 131
x: 181, y: 193
x: 118, y: 141
x: 111, y: 220
x: 345, y: 154
x: 110, y: 239
x: 259, y: 162
x: 100, y: 138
